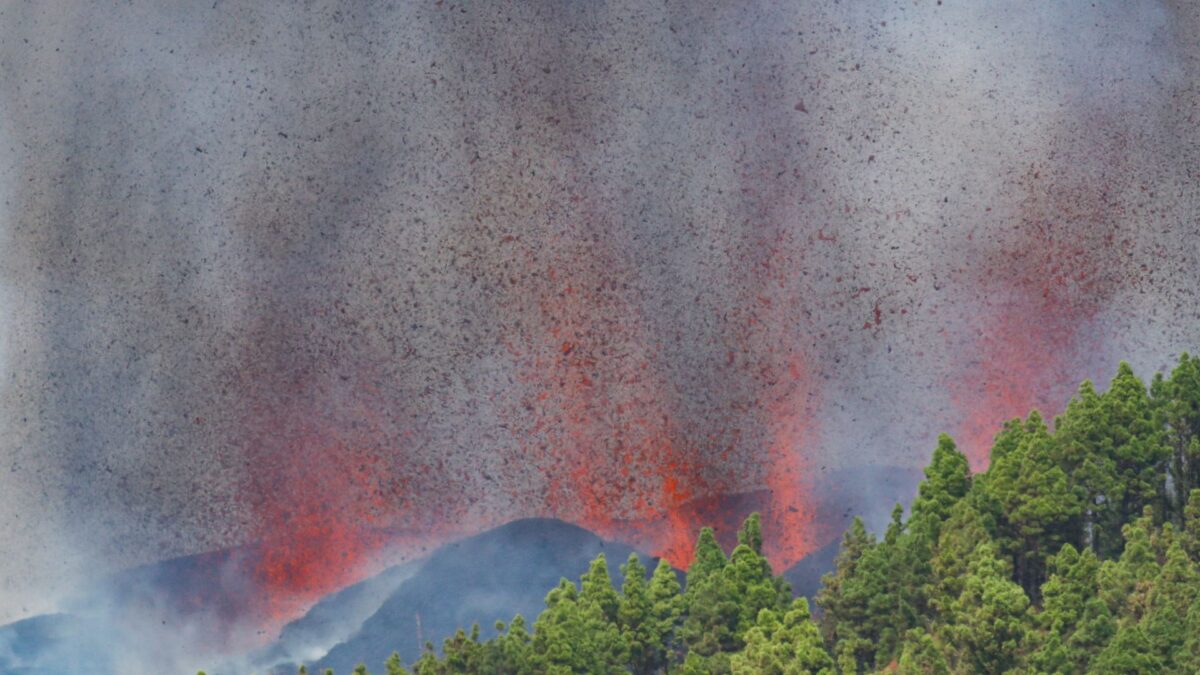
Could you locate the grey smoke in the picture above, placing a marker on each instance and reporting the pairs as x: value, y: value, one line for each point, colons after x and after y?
x: 216, y: 216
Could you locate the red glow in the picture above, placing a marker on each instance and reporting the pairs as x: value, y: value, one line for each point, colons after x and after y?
x: 1042, y: 286
x: 596, y: 417
x: 321, y: 499
x: 788, y: 528
x: 599, y: 424
x: 315, y: 554
x: 1026, y: 357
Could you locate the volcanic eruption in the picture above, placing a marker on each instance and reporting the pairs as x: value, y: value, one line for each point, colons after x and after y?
x: 323, y: 287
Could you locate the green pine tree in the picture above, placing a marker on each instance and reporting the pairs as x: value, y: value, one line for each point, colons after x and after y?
x: 666, y: 611
x: 633, y: 615
x: 394, y: 666
x: 776, y: 646
x: 1040, y: 510
x: 1128, y: 652
x: 922, y: 655
x: 841, y: 611
x: 992, y: 620
x: 711, y: 608
x: 574, y: 633
x: 947, y: 480
x: 1178, y: 400
x: 958, y: 541
x: 1140, y: 449
x: 1063, y: 641
x: 1169, y: 599
x: 1190, y: 535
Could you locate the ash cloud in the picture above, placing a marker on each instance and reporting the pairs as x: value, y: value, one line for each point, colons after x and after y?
x: 277, y: 268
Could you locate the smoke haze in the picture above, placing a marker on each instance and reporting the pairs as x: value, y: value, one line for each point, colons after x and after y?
x: 332, y: 277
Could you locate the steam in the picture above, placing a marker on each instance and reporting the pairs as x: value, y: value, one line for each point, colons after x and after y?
x: 325, y: 278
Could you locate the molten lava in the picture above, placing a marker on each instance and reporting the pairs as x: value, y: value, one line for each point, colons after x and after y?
x: 788, y: 525
x: 601, y: 429
x: 320, y: 489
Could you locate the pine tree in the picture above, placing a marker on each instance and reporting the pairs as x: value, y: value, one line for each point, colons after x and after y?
x: 1191, y: 525
x: 394, y: 666
x: 751, y: 579
x: 573, y: 632
x: 877, y: 592
x: 958, y: 541
x: 666, y: 609
x: 802, y: 634
x: 921, y: 655
x: 900, y: 567
x: 873, y: 596
x: 1061, y: 646
x: 512, y: 650
x: 708, y: 559
x: 947, y: 479
x: 1189, y: 657
x: 1087, y: 454
x: 1096, y: 628
x: 1128, y: 652
x: 1169, y: 600
x: 711, y: 608
x: 1139, y: 448
x: 462, y: 652
x: 840, y: 612
x: 648, y: 614
x: 427, y: 664
x: 634, y: 617
x: 991, y: 617
x: 597, y: 590
x: 558, y: 627
x: 1040, y: 510
x: 1124, y: 584
x: 1178, y: 400
x: 790, y: 645
x: 750, y: 534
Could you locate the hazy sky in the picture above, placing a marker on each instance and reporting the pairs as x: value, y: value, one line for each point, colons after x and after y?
x: 279, y: 267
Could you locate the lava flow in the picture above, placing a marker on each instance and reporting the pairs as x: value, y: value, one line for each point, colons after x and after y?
x: 319, y: 510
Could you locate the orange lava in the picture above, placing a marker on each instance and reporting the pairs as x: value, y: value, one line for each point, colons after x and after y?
x: 600, y: 429
x: 789, y: 530
x: 316, y: 490
x: 314, y: 553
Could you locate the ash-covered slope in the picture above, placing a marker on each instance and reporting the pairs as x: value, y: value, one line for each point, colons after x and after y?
x: 178, y: 615
x: 482, y: 579
x: 805, y: 575
x: 508, y: 570
x: 195, y: 606
x: 50, y: 644
x: 332, y: 620
x: 167, y: 616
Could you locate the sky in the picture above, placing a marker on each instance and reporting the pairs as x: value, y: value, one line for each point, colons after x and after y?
x: 333, y: 276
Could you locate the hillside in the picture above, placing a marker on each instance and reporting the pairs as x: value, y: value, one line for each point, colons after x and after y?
x: 1076, y: 551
